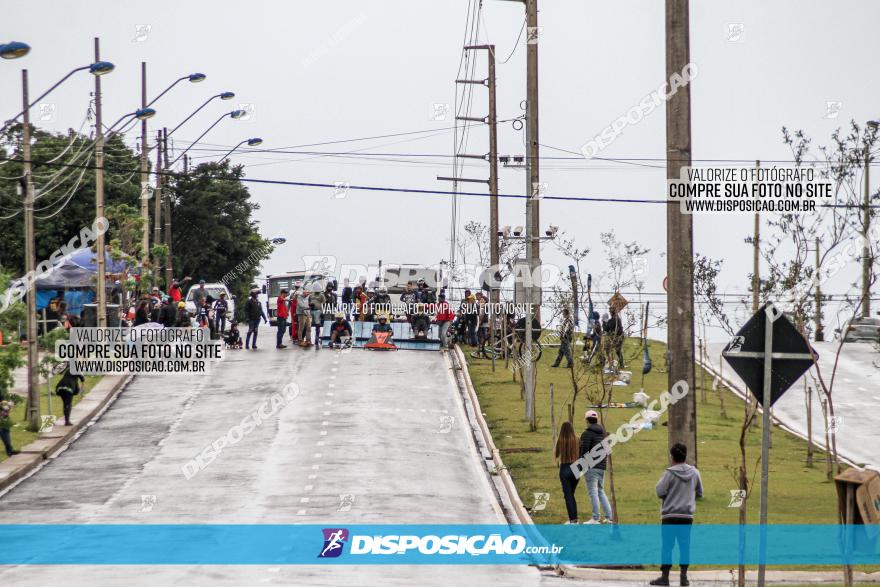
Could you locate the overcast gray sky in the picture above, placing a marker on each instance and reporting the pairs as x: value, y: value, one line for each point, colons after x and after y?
x: 326, y: 71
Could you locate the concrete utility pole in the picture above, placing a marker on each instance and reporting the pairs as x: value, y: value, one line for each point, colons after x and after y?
x: 680, y: 236
x: 169, y: 271
x: 157, y: 209
x: 145, y: 178
x: 532, y: 156
x: 101, y: 280
x: 33, y: 415
x: 820, y: 332
x: 866, y: 250
x: 493, y: 182
x: 756, y: 260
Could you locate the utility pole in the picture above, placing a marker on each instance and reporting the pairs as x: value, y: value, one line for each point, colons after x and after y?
x: 157, y: 208
x: 532, y: 156
x: 145, y: 179
x: 679, y: 236
x: 493, y: 185
x: 866, y: 250
x: 33, y: 415
x: 756, y: 260
x: 169, y: 272
x: 820, y: 332
x: 101, y: 281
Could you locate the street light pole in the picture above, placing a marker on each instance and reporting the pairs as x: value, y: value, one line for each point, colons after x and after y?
x: 866, y: 250
x: 145, y: 179
x: 33, y: 415
x: 100, y: 286
x: 169, y: 271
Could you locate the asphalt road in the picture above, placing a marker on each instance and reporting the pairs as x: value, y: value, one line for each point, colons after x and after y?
x: 856, y: 395
x: 369, y: 438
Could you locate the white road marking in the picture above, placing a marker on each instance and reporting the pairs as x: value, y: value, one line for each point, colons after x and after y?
x: 304, y: 500
x: 323, y: 433
x: 313, y: 476
x: 324, y: 423
x: 318, y: 455
x: 321, y: 443
x: 326, y: 413
x: 301, y: 513
x: 308, y: 487
x: 315, y: 467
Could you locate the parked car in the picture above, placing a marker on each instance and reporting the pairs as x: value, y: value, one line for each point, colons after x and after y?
x: 861, y: 330
x: 214, y: 290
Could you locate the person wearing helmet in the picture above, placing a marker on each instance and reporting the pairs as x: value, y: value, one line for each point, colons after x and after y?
x: 183, y: 320
x: 381, y: 303
x: 382, y: 325
x: 420, y: 323
x: 340, y: 331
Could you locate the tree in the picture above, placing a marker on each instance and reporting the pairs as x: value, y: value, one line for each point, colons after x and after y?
x: 214, y: 229
x: 64, y: 186
x: 11, y: 353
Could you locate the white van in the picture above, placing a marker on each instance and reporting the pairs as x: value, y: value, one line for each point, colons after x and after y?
x: 214, y: 290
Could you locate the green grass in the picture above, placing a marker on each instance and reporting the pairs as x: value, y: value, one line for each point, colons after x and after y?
x: 798, y: 494
x: 20, y: 435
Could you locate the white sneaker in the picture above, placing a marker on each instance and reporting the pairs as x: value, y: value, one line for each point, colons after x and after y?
x: 607, y: 521
x: 592, y: 521
x: 568, y: 523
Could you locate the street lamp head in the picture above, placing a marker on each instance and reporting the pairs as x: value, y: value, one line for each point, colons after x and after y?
x: 101, y: 67
x: 227, y: 95
x: 236, y: 114
x: 14, y: 50
x: 255, y: 142
x: 197, y: 77
x: 144, y: 113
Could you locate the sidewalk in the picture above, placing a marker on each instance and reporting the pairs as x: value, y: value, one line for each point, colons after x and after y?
x: 716, y: 577
x: 32, y: 455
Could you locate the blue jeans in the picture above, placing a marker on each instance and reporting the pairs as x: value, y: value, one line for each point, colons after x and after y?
x: 596, y: 491
x: 6, y: 437
x: 282, y: 327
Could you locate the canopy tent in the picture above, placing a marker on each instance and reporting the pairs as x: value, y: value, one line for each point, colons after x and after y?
x: 76, y: 271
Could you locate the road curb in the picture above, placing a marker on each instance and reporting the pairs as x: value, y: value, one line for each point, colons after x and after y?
x: 697, y: 577
x: 35, y: 454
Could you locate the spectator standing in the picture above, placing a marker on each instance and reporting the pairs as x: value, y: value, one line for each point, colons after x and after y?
x: 317, y: 299
x: 303, y: 318
x: 593, y: 435
x: 445, y: 316
x: 67, y: 387
x: 281, y: 314
x: 347, y: 292
x: 566, y: 453
x: 566, y: 333
x: 221, y: 306
x: 253, y: 312
x: 678, y: 488
x: 613, y: 331
x: 6, y: 407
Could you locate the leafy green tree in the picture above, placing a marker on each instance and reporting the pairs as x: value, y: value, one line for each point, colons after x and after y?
x: 214, y: 233
x: 64, y: 187
x: 11, y: 353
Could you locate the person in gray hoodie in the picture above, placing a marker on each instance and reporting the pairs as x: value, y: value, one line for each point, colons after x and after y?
x: 679, y: 487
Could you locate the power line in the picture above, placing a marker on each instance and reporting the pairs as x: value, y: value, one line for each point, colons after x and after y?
x: 609, y: 200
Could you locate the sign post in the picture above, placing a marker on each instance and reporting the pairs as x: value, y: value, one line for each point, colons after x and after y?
x: 769, y: 355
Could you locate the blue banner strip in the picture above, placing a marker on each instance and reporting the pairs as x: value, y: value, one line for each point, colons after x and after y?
x: 198, y: 544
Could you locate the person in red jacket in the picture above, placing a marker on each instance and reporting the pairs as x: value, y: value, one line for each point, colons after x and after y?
x: 445, y: 316
x: 175, y: 292
x: 281, y: 314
